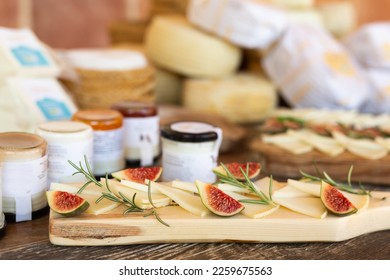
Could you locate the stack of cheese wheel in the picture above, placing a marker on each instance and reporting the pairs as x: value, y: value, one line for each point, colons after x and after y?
x: 312, y: 69
x: 241, y: 98
x: 173, y: 43
x: 109, y: 76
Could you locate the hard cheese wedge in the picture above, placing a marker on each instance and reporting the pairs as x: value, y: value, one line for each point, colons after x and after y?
x: 141, y: 198
x: 251, y: 210
x: 190, y: 202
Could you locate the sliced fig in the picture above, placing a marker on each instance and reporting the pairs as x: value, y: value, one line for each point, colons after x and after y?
x: 65, y: 203
x: 335, y: 201
x: 218, y: 201
x: 235, y: 168
x: 139, y: 174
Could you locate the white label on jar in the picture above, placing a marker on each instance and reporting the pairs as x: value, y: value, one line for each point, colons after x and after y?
x: 108, y: 145
x: 142, y: 137
x: 188, y: 167
x: 59, y: 168
x: 21, y: 180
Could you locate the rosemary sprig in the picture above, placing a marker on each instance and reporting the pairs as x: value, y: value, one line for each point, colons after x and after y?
x: 118, y: 198
x: 341, y: 186
x: 229, y: 178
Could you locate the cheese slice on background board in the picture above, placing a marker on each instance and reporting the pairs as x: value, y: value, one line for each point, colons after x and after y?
x: 174, y: 44
x: 241, y: 98
x: 288, y: 143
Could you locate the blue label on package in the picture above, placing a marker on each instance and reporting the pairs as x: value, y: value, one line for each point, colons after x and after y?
x: 29, y: 57
x: 54, y: 110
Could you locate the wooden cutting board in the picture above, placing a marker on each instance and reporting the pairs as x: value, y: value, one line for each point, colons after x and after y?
x: 281, y: 226
x: 283, y: 164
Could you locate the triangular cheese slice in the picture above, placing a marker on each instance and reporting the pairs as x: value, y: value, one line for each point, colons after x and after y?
x: 288, y: 143
x: 310, y: 206
x: 190, y: 202
x: 306, y: 187
x: 138, y: 186
x: 185, y: 186
x: 99, y: 208
x: 289, y: 192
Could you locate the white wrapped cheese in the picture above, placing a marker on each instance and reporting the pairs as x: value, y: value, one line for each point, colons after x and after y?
x: 246, y: 23
x: 173, y: 43
x: 242, y: 98
x: 21, y: 53
x: 313, y: 70
x: 379, y: 100
x: 34, y: 100
x: 371, y: 45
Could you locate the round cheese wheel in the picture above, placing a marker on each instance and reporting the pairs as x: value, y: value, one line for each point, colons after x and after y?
x: 312, y: 69
x: 242, y: 98
x: 173, y: 43
x: 339, y: 18
x: 168, y: 87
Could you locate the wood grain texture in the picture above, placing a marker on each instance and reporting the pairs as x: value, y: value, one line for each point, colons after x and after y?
x: 281, y: 163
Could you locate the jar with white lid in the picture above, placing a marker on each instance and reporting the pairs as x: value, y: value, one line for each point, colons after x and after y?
x: 142, y: 132
x: 23, y: 157
x: 67, y: 141
x: 190, y: 151
x: 108, y: 139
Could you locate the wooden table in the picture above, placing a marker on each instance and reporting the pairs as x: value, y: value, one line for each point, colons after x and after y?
x: 29, y: 240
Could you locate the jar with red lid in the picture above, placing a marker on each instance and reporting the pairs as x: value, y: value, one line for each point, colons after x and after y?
x: 142, y: 132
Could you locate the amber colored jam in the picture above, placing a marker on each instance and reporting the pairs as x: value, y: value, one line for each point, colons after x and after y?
x: 133, y: 109
x: 100, y: 119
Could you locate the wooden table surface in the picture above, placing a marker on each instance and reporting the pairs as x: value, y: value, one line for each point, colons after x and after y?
x: 29, y: 240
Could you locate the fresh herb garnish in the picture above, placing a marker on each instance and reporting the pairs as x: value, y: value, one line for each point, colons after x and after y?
x: 341, y: 186
x: 118, y: 198
x: 230, y: 179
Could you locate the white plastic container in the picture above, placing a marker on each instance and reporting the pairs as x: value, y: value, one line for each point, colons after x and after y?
x: 67, y: 140
x: 190, y: 151
x: 23, y: 157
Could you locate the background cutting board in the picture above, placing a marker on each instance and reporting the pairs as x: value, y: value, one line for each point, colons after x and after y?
x: 281, y: 226
x: 283, y: 164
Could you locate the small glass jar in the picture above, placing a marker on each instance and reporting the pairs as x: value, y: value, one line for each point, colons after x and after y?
x: 108, y: 139
x: 67, y: 140
x: 190, y: 151
x: 24, y: 175
x: 142, y: 132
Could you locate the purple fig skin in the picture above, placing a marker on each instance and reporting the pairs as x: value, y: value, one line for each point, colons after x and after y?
x: 335, y: 201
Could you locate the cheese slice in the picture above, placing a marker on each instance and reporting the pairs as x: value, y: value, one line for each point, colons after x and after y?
x: 256, y: 97
x: 306, y: 187
x: 99, y: 208
x: 288, y: 143
x: 141, y: 198
x: 326, y: 145
x: 310, y: 206
x: 190, y: 202
x: 174, y: 44
x: 138, y: 186
x: 185, y: 186
x: 384, y: 142
x: 254, y: 211
x: 364, y: 148
x: 230, y: 188
x: 289, y: 192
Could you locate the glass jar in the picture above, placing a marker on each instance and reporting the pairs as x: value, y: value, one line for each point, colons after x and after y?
x: 108, y: 145
x: 67, y: 140
x: 190, y: 151
x: 24, y: 175
x: 142, y: 132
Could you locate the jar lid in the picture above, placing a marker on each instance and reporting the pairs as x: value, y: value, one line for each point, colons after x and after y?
x: 98, y: 115
x: 135, y: 108
x: 19, y: 140
x: 64, y: 127
x: 192, y: 132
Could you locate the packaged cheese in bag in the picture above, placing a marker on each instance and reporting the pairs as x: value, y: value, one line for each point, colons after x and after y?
x: 246, y: 23
x: 370, y: 45
x: 312, y: 69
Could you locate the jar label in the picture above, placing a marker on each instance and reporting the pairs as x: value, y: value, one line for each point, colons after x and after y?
x: 142, y: 139
x: 108, y: 146
x: 188, y: 167
x: 60, y: 170
x: 21, y: 180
